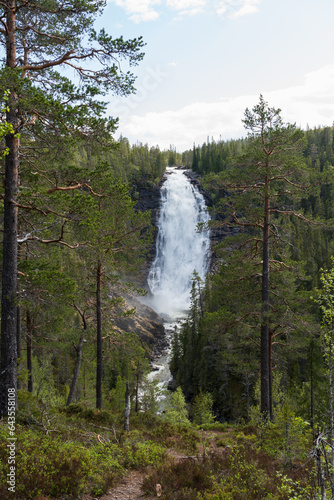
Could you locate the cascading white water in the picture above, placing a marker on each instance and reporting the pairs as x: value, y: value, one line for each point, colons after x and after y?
x: 180, y: 249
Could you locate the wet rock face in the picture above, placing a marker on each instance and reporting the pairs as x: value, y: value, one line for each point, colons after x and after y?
x: 149, y: 200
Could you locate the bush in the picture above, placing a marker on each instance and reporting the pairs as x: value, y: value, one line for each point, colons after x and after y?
x: 176, y: 409
x: 45, y: 465
x: 236, y: 473
x: 184, y: 439
x: 202, y: 409
x: 141, y: 455
x: 50, y: 466
x: 181, y: 480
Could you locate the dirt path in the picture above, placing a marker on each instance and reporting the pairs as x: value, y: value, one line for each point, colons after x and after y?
x: 129, y: 489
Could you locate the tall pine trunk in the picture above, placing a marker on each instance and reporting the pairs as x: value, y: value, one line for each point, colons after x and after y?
x: 30, y: 330
x: 78, y: 350
x: 266, y: 405
x: 311, y: 389
x: 98, y: 337
x: 331, y: 408
x: 8, y: 367
x: 127, y: 408
x: 18, y: 338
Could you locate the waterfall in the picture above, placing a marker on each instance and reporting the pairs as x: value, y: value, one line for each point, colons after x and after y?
x: 180, y: 248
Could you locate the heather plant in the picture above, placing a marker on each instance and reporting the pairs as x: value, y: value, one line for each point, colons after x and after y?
x: 60, y: 464
x: 239, y: 472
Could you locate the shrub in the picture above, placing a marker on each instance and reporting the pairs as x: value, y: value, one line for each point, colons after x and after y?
x: 47, y: 465
x: 202, y: 409
x: 181, y: 480
x: 237, y: 473
x: 176, y: 410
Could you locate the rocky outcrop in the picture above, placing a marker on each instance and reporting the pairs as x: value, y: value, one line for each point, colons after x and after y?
x: 145, y: 322
x: 218, y: 233
x: 149, y: 200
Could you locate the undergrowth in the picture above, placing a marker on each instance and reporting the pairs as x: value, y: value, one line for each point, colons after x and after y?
x: 235, y: 473
x: 68, y: 452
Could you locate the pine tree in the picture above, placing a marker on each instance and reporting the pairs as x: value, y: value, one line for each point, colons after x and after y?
x: 262, y: 184
x: 38, y: 38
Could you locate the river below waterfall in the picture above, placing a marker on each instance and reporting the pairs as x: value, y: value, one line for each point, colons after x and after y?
x: 180, y: 250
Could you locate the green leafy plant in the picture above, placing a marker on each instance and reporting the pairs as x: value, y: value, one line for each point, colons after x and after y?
x: 201, y: 409
x: 176, y: 410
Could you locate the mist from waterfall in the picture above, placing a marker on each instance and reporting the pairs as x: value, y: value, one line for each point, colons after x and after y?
x: 180, y: 248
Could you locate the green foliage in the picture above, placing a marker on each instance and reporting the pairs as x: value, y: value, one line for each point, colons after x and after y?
x: 176, y: 409
x: 240, y: 472
x: 142, y: 454
x: 325, y: 301
x: 288, y: 438
x: 91, y: 452
x: 5, y: 128
x: 201, y: 409
x: 46, y: 465
x: 181, y: 480
x: 168, y: 434
x: 116, y: 396
x: 151, y: 396
x: 66, y: 461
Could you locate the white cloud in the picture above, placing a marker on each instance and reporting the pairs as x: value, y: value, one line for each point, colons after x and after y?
x: 145, y: 10
x: 139, y: 10
x: 311, y: 103
x: 190, y: 12
x: 184, y: 5
x: 187, y: 125
x: 237, y: 8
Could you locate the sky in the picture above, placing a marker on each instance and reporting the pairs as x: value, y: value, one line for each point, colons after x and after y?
x: 206, y: 61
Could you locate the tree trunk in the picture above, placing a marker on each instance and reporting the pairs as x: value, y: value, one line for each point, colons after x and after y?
x: 312, y: 391
x: 98, y: 337
x: 75, y: 379
x: 331, y: 434
x: 127, y: 407
x: 320, y: 474
x: 270, y: 368
x: 137, y: 392
x: 30, y: 330
x: 18, y: 337
x: 265, y: 333
x: 8, y: 368
x: 18, y: 319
